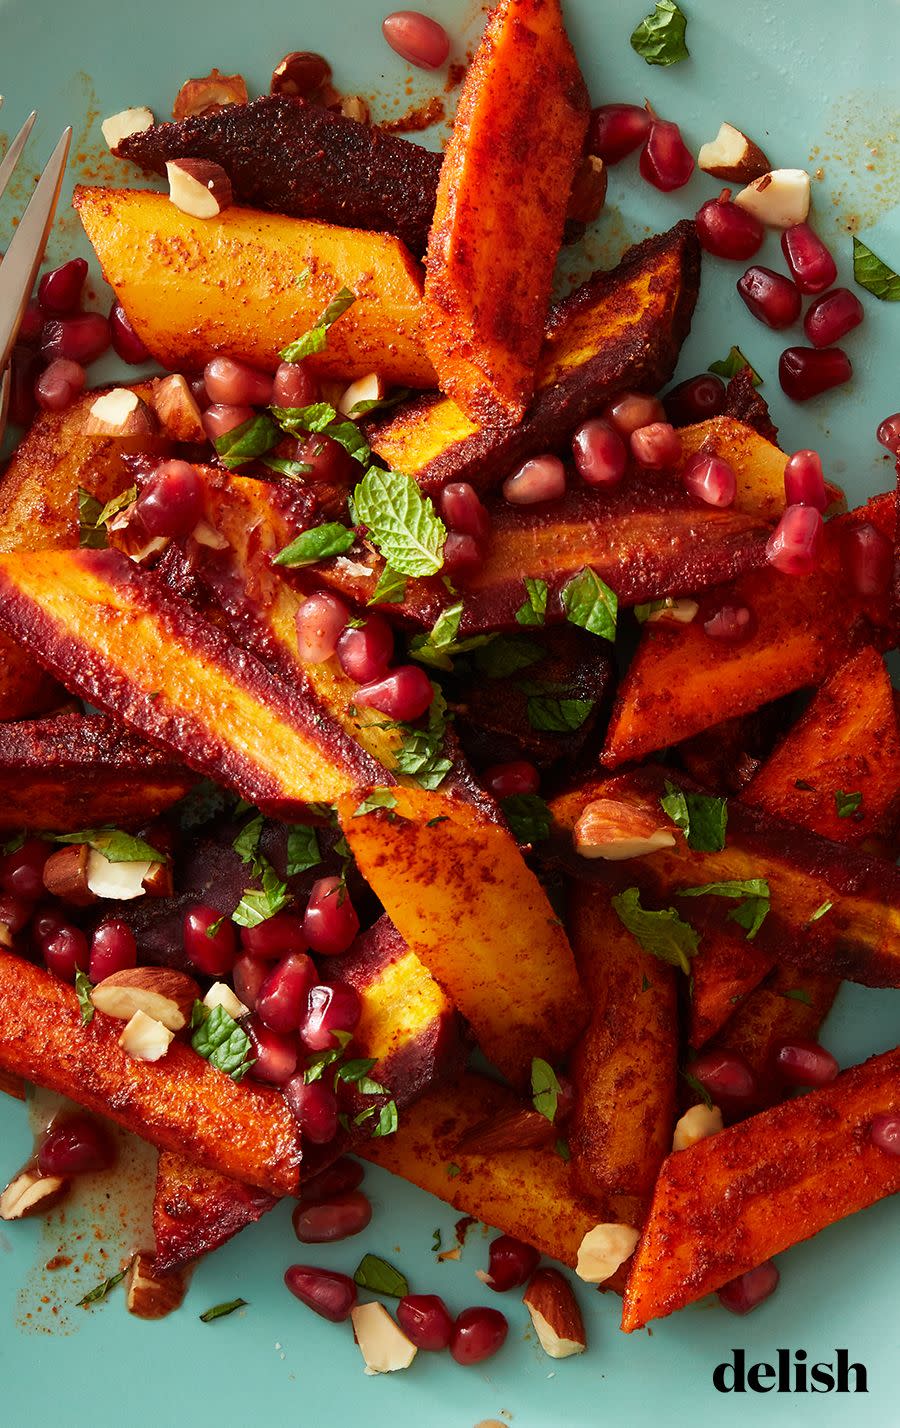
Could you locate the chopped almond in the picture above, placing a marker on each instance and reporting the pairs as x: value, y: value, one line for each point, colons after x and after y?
x: 616, y: 830
x: 127, y: 122
x: 382, y: 1342
x: 209, y: 94
x: 152, y: 1295
x: 119, y: 412
x: 603, y: 1250
x: 145, y: 1039
x: 66, y: 875
x: 121, y: 881
x: 554, y: 1311
x: 177, y: 411
x: 31, y: 1193
x: 221, y: 995
x: 780, y: 198
x: 696, y: 1124
x: 198, y: 187
x: 732, y: 157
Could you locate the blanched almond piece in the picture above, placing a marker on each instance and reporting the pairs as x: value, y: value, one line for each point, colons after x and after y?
x: 159, y: 881
x: 555, y: 1315
x: 732, y: 157
x: 603, y: 1249
x: 151, y: 1295
x: 382, y: 1342
x: 588, y: 190
x: 616, y: 831
x: 221, y: 995
x: 780, y: 199
x: 208, y: 94
x: 31, y: 1193
x: 66, y: 875
x: 122, y: 881
x: 370, y: 388
x: 127, y: 122
x: 198, y: 187
x: 353, y: 106
x: 145, y: 1038
x: 696, y: 1124
x: 176, y: 409
x: 164, y: 994
x: 119, y: 412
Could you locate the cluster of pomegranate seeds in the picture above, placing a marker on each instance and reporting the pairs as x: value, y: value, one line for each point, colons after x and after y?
x: 468, y: 528
x: 747, y: 1292
x: 75, y: 1144
x: 616, y: 130
x: 794, y: 547
x: 417, y: 38
x: 727, y: 1078
x: 543, y: 478
x: 171, y: 502
x: 727, y: 231
x: 805, y: 1063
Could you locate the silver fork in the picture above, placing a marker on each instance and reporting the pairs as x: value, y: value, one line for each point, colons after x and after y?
x: 26, y: 249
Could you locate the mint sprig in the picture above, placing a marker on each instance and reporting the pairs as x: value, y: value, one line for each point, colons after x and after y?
x: 402, y: 523
x: 219, y: 1039
x: 318, y: 543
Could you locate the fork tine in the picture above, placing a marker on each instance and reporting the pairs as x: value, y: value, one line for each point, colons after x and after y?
x: 23, y: 256
x: 13, y: 153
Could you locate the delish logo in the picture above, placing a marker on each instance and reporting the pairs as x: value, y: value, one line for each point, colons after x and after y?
x: 790, y: 1374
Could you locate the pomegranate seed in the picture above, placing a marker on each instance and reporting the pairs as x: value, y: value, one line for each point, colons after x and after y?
x: 710, y: 479
x: 770, y: 296
x: 24, y: 370
x: 477, y: 1334
x: 314, y: 1108
x: 425, y: 1320
x: 749, y: 1290
x: 81, y: 339
x: 616, y: 130
x: 417, y: 38
x: 336, y: 1179
x: 462, y: 556
x: 59, y: 385
x: 125, y: 341
x: 732, y: 624
x: 15, y: 913
x: 727, y: 231
x: 331, y: 1007
x: 726, y: 1076
x: 59, y: 292
x: 209, y: 941
x: 364, y: 652
x: 463, y: 511
x: 218, y: 420
x: 320, y: 620
x: 889, y: 433
x: 275, y: 938
x: 22, y: 872
x: 32, y: 325
x: 600, y: 455
x: 794, y: 546
x: 199, y: 392
x: 331, y: 1220
x: 697, y: 399
x: 47, y: 922
x: 329, y: 462
x: 812, y: 266
x: 832, y: 316
x: 510, y: 1262
x: 868, y: 558
x: 886, y: 1133
x: 281, y: 1001
x: 75, y: 1145
x: 656, y: 446
x: 506, y: 780
x: 294, y: 385
x: 633, y: 410
x: 805, y: 1063
x: 248, y: 975
x: 171, y: 503
x: 543, y: 478
x: 330, y: 922
x: 804, y: 481
x: 237, y: 384
x: 328, y: 1292
x: 113, y: 949
x: 66, y: 952
x: 275, y: 1055
x: 404, y: 694
x: 806, y: 372
x: 666, y: 161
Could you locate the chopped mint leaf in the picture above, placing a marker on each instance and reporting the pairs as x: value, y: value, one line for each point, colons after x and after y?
x: 100, y: 1291
x: 246, y: 844
x: 562, y: 1150
x: 446, y: 626
x: 589, y: 603
x: 390, y: 589
x: 534, y: 609
x: 214, y: 926
x: 402, y: 523
x: 221, y: 1311
x: 83, y: 989
x: 220, y: 1041
x: 698, y: 1089
x: 305, y: 421
x: 735, y: 362
x: 379, y: 1277
x: 117, y: 504
x: 439, y: 647
x: 388, y: 1120
x: 283, y: 467
x: 259, y: 904
x: 378, y: 798
x: 558, y: 716
x: 662, y: 933
x: 803, y: 786
x: 303, y: 278
x: 545, y: 1088
x: 701, y: 818
x: 319, y: 543
x: 750, y: 914
x: 91, y: 535
x: 820, y: 912
x: 348, y: 435
x: 357, y: 1072
x: 421, y: 754
x: 317, y: 338
x: 646, y: 984
x: 736, y: 887
x: 254, y: 437
x: 798, y: 994
x: 847, y: 803
x: 116, y: 847
x: 507, y: 655
x: 436, y: 1241
x: 660, y: 37
x: 13, y: 844
x: 528, y: 817
x: 303, y: 850
x: 874, y: 275
x: 452, y: 1171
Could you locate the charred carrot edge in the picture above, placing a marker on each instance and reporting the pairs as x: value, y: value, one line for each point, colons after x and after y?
x: 726, y: 969
x: 116, y: 636
x: 624, y: 1066
x: 196, y: 1210
x: 736, y: 1199
x: 179, y: 1103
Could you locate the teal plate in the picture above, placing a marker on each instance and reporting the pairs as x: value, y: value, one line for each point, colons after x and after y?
x: 816, y: 86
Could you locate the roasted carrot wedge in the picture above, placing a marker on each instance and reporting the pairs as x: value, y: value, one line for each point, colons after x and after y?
x: 179, y: 1103
x: 726, y: 969
x: 736, y: 1199
x: 196, y: 1210
x: 501, y: 207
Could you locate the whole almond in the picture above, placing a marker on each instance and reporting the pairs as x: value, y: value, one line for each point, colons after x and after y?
x: 519, y: 1129
x: 152, y: 1295
x: 66, y: 875
x: 162, y: 993
x: 554, y: 1311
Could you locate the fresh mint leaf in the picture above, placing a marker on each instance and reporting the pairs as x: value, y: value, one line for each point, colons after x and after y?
x: 420, y: 757
x: 220, y: 1041
x: 303, y: 850
x: 663, y: 933
x: 317, y: 338
x: 545, y: 1088
x: 282, y: 467
x: 13, y: 844
x: 701, y: 818
x: 388, y: 1120
x: 798, y: 994
x: 305, y: 421
x: 440, y: 646
x: 507, y: 655
x: 246, y: 844
x: 402, y: 523
x: 735, y: 362
x: 589, y: 603
x: 528, y: 817
x: 319, y: 543
x: 83, y: 989
x: 378, y: 798
x: 357, y: 1072
x: 116, y: 847
x: 820, y: 912
x: 660, y: 37
x: 557, y: 716
x: 452, y: 1171
x: 91, y: 535
x: 117, y: 504
x: 379, y: 1277
x: 254, y: 437
x: 390, y: 589
x: 348, y: 435
x: 735, y: 887
x: 534, y: 609
x: 436, y: 1241
x: 678, y: 612
x: 698, y: 1089
x: 221, y: 1311
x: 750, y: 914
x: 446, y: 626
x: 847, y: 803
x: 873, y: 274
x: 100, y: 1291
x: 259, y: 904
